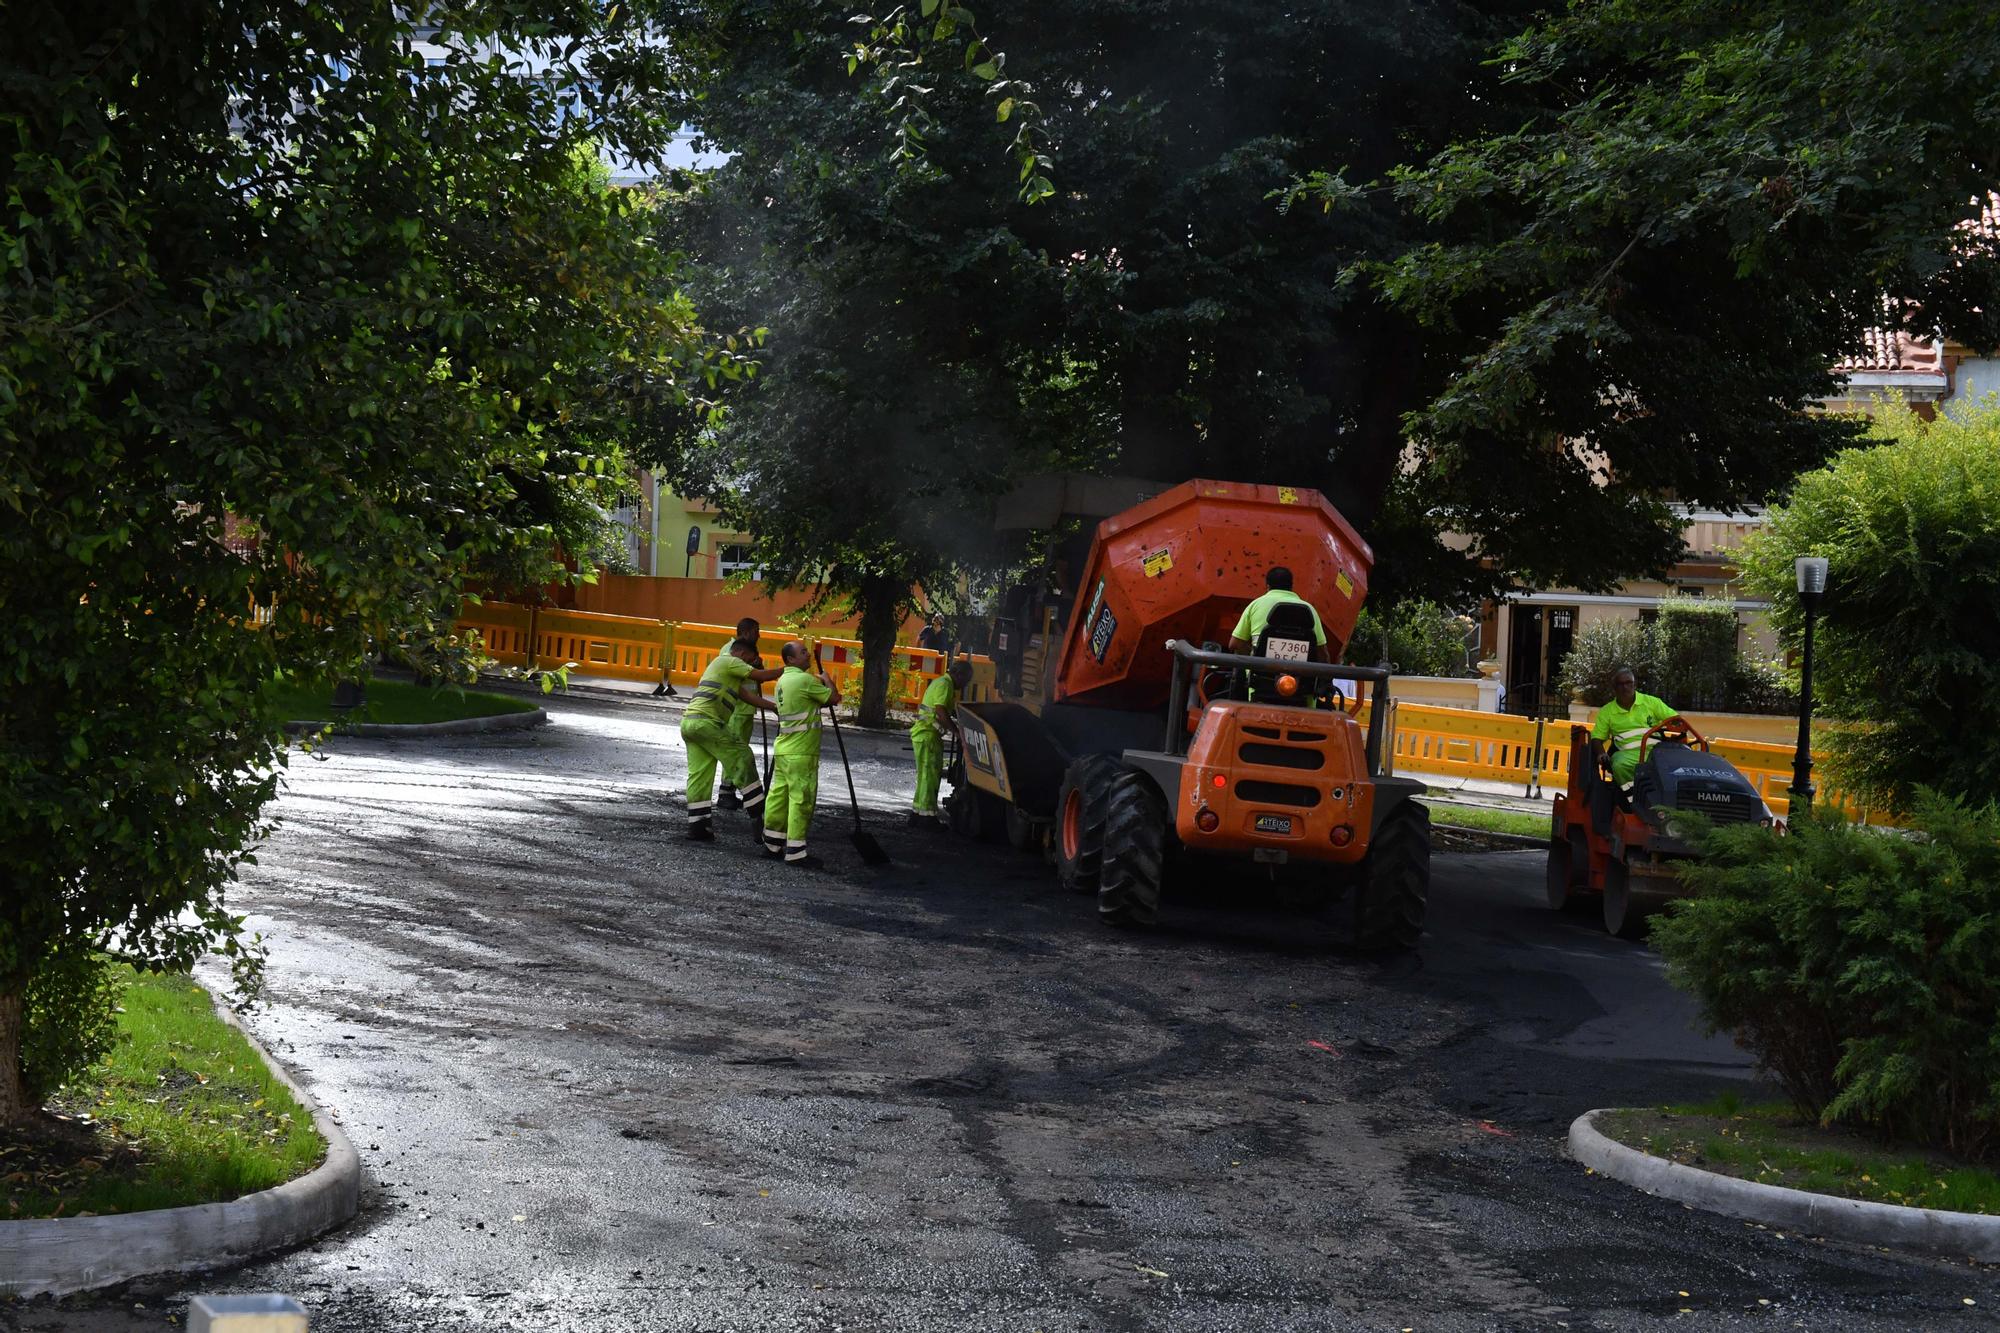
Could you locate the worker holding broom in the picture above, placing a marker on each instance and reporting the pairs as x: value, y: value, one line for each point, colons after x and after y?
x: 935, y: 713
x: 743, y: 719
x: 788, y: 810
x: 730, y: 678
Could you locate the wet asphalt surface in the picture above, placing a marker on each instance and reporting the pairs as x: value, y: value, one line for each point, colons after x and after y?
x: 603, y: 1079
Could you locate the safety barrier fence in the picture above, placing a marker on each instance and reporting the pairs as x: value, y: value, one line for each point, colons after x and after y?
x: 591, y: 643
x: 1499, y: 747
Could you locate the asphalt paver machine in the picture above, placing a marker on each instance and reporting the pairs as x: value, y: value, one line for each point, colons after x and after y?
x: 1615, y: 849
x: 1126, y: 742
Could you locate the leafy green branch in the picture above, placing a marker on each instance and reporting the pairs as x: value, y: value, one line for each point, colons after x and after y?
x: 894, y: 53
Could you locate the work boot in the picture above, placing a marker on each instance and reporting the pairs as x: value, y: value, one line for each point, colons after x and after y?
x: 700, y: 833
x: 729, y: 800
x: 918, y: 819
x: 806, y: 862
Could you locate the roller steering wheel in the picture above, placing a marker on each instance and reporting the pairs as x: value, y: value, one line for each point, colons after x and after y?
x: 1674, y: 729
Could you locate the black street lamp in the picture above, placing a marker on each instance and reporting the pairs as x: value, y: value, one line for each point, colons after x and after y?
x: 1811, y: 571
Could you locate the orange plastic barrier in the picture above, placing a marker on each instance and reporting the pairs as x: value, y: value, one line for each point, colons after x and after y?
x: 634, y: 648
x: 1500, y: 747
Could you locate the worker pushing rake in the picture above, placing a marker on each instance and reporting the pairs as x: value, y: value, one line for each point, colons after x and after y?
x: 782, y: 801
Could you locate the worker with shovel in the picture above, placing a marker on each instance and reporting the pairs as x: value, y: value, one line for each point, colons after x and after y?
x: 788, y: 810
x: 742, y: 720
x: 934, y: 714
x: 711, y: 744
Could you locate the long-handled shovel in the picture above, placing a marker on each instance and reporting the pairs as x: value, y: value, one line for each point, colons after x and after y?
x: 865, y: 845
x: 764, y: 735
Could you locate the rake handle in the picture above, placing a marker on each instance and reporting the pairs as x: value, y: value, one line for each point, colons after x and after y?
x: 853, y: 801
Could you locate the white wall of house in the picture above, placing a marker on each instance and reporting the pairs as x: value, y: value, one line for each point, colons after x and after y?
x: 1974, y: 380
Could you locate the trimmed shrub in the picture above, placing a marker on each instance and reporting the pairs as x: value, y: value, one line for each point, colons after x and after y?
x: 1424, y: 639
x: 1908, y: 641
x: 1697, y: 651
x: 1600, y: 649
x: 1757, y: 685
x: 1860, y: 967
x: 1688, y: 657
x: 69, y: 1018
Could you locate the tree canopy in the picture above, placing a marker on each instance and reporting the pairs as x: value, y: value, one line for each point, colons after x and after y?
x: 279, y: 272
x: 1512, y: 288
x: 1641, y: 285
x: 945, y: 319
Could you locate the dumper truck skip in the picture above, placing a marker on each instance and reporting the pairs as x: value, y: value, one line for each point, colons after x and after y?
x: 1145, y: 750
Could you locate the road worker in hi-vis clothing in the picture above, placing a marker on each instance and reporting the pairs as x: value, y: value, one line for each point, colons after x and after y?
x: 788, y: 810
x: 711, y: 744
x: 935, y: 715
x: 743, y: 720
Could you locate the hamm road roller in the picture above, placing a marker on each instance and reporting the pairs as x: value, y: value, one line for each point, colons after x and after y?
x: 1128, y: 742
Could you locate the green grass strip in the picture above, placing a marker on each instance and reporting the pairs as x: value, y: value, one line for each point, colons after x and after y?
x: 395, y: 703
x: 1490, y: 821
x: 194, y: 1113
x: 1768, y: 1143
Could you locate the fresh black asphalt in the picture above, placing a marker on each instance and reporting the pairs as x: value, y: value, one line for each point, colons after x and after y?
x: 604, y: 1080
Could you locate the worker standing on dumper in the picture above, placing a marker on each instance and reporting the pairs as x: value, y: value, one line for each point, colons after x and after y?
x: 1250, y: 625
x: 937, y: 711
x: 1614, y: 739
x: 788, y: 810
x: 710, y: 743
x: 743, y: 720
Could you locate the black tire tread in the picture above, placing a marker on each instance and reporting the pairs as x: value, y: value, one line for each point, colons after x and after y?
x: 1135, y: 835
x: 1394, y: 890
x: 1092, y: 775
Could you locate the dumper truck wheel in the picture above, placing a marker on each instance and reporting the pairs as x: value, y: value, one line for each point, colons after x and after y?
x: 1135, y: 836
x: 1395, y: 883
x: 1079, y: 831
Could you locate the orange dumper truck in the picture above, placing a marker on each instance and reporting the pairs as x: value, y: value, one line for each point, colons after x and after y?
x: 1128, y: 743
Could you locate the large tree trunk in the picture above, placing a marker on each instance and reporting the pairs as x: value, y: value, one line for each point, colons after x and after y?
x: 14, y: 1104
x: 881, y: 607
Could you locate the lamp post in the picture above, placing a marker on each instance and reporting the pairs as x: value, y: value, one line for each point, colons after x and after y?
x: 1811, y: 572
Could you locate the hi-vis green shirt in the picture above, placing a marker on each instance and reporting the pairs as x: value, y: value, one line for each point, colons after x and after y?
x: 1622, y: 729
x: 939, y: 695
x: 1256, y: 615
x: 715, y: 696
x: 801, y: 695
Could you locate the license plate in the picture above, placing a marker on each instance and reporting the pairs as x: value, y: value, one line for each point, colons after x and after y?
x: 1287, y: 650
x: 1274, y: 823
x: 1270, y: 855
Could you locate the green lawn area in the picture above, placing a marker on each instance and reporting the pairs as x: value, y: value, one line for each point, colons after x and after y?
x: 394, y: 702
x: 182, y: 1111
x: 1768, y: 1143
x: 1490, y: 821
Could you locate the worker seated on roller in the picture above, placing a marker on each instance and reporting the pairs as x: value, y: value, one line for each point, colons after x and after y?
x: 1614, y: 741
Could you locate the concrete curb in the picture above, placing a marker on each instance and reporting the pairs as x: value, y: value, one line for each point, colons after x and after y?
x: 455, y: 727
x: 1959, y: 1235
x: 57, y: 1256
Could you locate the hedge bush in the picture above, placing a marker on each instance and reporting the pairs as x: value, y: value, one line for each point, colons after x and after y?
x: 69, y: 1018
x: 1424, y: 639
x: 1908, y: 640
x: 1860, y: 967
x: 1601, y: 649
x: 1687, y: 657
x: 1697, y: 638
